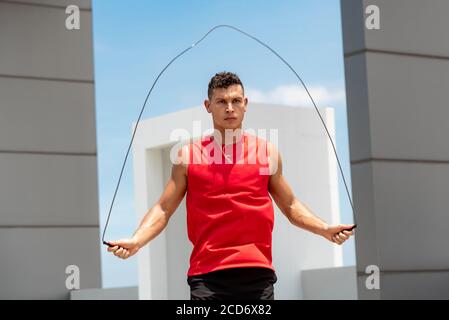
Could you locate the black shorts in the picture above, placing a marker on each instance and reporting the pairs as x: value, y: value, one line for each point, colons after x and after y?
x: 249, y: 283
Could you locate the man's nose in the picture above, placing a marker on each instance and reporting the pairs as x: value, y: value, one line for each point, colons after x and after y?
x: 229, y: 107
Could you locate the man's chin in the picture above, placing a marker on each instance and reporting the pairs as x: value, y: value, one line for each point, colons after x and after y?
x: 231, y: 126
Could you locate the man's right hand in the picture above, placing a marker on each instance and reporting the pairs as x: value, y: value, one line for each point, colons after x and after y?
x: 124, y: 248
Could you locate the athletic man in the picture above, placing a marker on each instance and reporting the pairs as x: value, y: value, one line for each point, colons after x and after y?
x: 228, y: 184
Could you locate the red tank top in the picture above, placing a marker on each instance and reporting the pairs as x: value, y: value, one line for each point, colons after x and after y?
x: 230, y: 214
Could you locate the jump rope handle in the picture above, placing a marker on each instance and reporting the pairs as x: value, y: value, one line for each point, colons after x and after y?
x: 352, y: 228
x: 108, y: 244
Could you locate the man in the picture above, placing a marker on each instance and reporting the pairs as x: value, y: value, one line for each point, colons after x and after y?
x: 229, y: 210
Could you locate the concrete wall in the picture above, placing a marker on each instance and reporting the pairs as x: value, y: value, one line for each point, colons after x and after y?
x: 330, y: 284
x: 124, y: 293
x: 48, y: 155
x: 397, y: 80
x: 310, y: 168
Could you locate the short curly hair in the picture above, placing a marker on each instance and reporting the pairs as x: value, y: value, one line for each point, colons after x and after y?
x: 223, y: 80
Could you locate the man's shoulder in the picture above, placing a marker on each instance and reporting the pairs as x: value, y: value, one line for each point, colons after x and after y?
x: 261, y: 141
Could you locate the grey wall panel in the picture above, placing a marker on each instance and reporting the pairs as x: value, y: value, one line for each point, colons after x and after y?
x: 398, y: 93
x: 37, y: 258
x: 82, y: 4
x: 415, y: 285
x: 34, y: 42
x: 412, y: 201
x: 405, y: 105
x: 358, y: 115
x: 407, y: 26
x: 48, y: 163
x: 411, y: 26
x: 48, y: 116
x: 353, y: 29
x: 402, y: 215
x: 364, y: 203
x: 38, y: 189
x: 408, y: 106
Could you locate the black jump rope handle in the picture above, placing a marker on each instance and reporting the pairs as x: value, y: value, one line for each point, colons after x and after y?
x: 350, y: 229
x: 107, y: 243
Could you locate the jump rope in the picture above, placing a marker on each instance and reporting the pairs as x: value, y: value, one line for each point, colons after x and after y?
x: 178, y: 56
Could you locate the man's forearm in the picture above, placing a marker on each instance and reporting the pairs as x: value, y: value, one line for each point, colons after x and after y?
x: 299, y: 215
x: 152, y: 224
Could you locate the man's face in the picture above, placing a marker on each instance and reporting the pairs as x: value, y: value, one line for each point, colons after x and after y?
x: 227, y: 106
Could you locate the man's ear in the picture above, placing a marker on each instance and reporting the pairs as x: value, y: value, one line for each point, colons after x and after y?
x: 245, y: 106
x: 207, y: 105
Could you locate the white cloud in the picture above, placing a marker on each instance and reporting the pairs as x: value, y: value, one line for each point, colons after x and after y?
x: 296, y: 95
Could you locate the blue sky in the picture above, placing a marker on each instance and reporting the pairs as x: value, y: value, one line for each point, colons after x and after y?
x: 134, y: 40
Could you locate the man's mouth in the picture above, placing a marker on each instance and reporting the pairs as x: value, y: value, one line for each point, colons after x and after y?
x: 231, y: 118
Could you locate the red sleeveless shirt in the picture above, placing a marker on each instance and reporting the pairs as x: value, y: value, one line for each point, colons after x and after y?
x: 230, y: 214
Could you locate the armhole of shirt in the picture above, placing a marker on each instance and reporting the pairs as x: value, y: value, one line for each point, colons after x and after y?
x: 268, y: 155
x: 189, y: 157
x: 262, y: 143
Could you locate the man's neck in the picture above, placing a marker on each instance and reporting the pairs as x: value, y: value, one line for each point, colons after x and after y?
x: 228, y: 136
